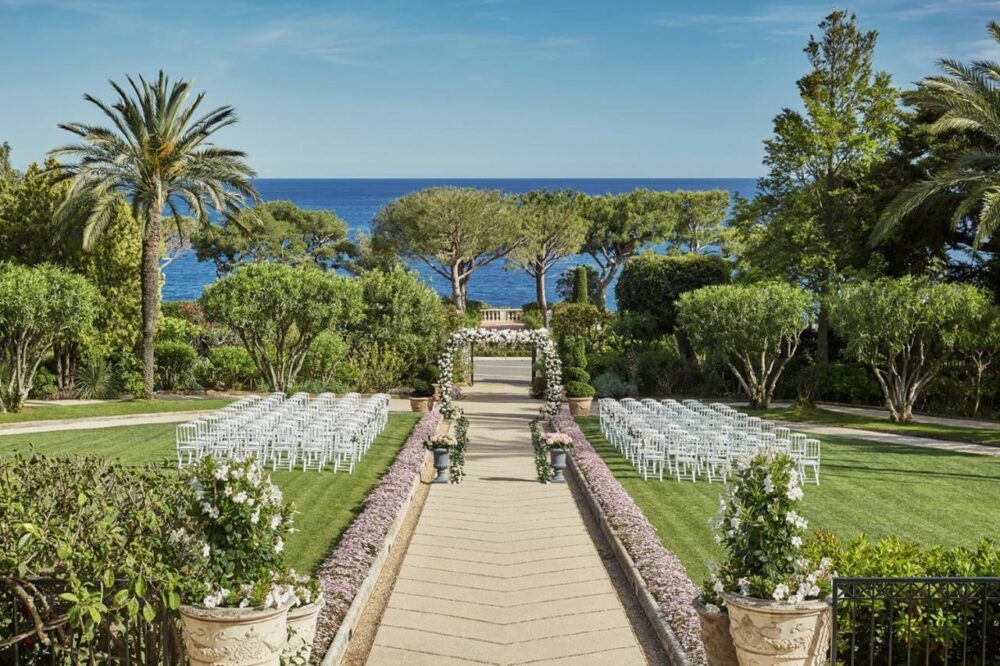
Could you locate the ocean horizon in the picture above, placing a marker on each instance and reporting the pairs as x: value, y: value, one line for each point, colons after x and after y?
x: 356, y: 200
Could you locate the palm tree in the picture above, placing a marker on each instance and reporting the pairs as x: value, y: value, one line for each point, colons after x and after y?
x: 158, y: 155
x: 965, y: 98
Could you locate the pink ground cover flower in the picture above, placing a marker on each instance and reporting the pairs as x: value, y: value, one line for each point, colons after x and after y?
x: 342, y: 573
x: 664, y: 575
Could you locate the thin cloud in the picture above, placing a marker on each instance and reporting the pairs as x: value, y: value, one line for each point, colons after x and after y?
x: 940, y: 7
x: 781, y: 19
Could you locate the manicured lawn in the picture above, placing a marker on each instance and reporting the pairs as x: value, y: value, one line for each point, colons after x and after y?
x: 989, y: 437
x: 928, y: 496
x: 327, y: 502
x: 116, y: 408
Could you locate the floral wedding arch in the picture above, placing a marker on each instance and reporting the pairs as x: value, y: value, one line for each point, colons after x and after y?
x: 540, y: 338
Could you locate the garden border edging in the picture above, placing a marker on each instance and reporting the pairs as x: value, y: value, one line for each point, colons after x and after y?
x: 338, y: 646
x: 668, y: 640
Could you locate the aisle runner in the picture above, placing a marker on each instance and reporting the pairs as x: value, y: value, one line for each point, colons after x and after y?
x: 501, y: 569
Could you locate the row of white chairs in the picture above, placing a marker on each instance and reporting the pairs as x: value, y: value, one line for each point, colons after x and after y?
x: 287, y: 432
x: 690, y: 439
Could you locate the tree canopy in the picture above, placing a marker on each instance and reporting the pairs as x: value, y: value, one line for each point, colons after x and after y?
x: 553, y: 230
x: 904, y: 329
x: 454, y: 231
x: 277, y: 311
x: 621, y: 225
x: 756, y: 328
x: 276, y: 231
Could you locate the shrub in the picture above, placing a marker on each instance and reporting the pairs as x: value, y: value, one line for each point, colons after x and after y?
x: 574, y: 319
x: 533, y: 319
x: 566, y: 284
x: 278, y: 311
x: 45, y: 385
x: 232, y: 366
x: 650, y: 285
x: 755, y: 328
x: 173, y: 363
x: 658, y: 366
x: 96, y: 380
x: 580, y: 291
x: 850, y: 383
x: 576, y: 375
x: 421, y: 388
x: 904, y: 329
x: 924, y: 630
x: 38, y: 306
x: 610, y: 385
x: 377, y: 368
x: 176, y: 329
x: 579, y: 390
x: 100, y: 534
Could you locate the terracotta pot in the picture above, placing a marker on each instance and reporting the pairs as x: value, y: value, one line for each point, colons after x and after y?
x: 421, y: 405
x: 234, y: 636
x: 302, y: 632
x: 768, y: 632
x: 579, y: 406
x: 715, y: 635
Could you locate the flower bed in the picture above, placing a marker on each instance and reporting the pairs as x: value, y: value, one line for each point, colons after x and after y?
x: 342, y: 574
x: 663, y: 574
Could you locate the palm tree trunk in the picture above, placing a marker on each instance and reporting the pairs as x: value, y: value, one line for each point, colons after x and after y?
x: 150, y: 298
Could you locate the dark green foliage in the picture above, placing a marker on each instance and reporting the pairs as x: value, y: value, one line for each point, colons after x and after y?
x: 276, y: 231
x: 650, y: 285
x: 610, y: 385
x: 927, y: 628
x: 576, y: 375
x: 232, y: 367
x: 566, y: 284
x: 45, y: 385
x: 100, y: 531
x: 576, y: 353
x: 658, y: 366
x: 421, y: 388
x: 174, y: 361
x: 579, y: 390
x: 850, y: 383
x: 575, y: 319
x: 581, y: 293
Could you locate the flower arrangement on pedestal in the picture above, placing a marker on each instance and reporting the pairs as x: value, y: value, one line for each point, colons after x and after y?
x: 766, y: 580
x: 237, y: 578
x: 538, y: 337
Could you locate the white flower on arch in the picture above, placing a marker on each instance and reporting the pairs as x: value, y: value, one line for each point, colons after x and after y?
x: 540, y: 338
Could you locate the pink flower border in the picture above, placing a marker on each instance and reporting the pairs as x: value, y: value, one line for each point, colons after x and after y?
x: 664, y: 575
x: 344, y: 571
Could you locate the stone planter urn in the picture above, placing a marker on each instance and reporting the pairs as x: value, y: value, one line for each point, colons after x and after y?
x: 302, y: 632
x: 442, y: 462
x: 421, y: 405
x: 578, y: 406
x: 715, y: 635
x: 557, y: 458
x: 768, y: 632
x: 234, y: 636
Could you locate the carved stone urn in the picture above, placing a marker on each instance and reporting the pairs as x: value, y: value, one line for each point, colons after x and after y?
x: 302, y: 632
x: 715, y: 634
x: 767, y: 633
x: 234, y: 636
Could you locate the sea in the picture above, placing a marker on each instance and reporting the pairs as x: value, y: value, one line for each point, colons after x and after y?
x: 357, y: 200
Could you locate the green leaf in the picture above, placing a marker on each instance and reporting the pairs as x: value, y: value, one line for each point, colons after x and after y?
x: 149, y: 613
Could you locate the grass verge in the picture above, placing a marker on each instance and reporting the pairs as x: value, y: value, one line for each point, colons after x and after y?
x: 115, y: 408
x: 327, y: 502
x: 925, y: 495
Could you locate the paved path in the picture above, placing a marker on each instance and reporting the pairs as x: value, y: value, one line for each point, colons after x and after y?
x: 893, y: 438
x: 501, y: 569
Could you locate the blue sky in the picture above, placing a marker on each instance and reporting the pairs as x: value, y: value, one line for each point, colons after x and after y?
x: 461, y: 88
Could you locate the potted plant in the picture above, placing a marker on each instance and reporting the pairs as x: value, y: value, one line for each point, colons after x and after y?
x: 557, y: 444
x: 237, y: 594
x: 777, y: 598
x: 422, y: 396
x: 579, y: 392
x: 440, y: 445
x: 714, y: 619
x: 302, y: 617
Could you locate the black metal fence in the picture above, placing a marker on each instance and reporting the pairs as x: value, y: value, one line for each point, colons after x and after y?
x: 916, y: 621
x: 137, y: 643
